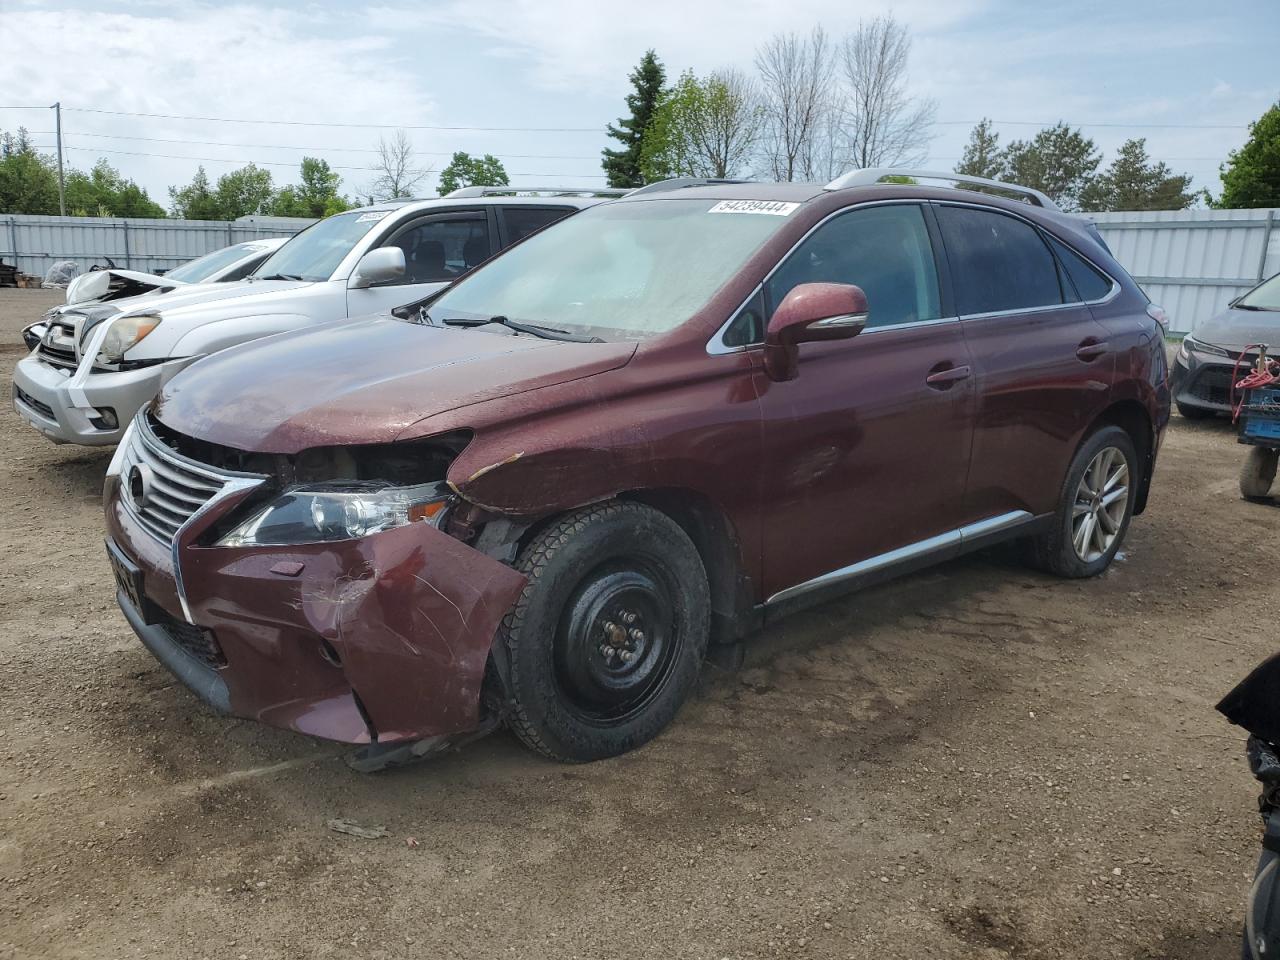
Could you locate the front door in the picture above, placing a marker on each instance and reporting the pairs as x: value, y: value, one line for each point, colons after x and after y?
x: 866, y: 450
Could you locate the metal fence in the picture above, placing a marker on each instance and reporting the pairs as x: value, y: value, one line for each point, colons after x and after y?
x: 35, y: 243
x: 1193, y: 262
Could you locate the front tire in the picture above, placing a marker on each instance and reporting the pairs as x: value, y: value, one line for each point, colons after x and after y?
x: 607, y: 637
x: 1094, y: 508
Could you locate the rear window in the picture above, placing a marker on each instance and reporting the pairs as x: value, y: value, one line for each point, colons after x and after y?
x: 998, y: 262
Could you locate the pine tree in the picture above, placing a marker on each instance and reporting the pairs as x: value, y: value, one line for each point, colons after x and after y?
x: 1058, y: 161
x: 982, y: 154
x: 1251, y: 175
x: 1133, y: 182
x: 623, y: 166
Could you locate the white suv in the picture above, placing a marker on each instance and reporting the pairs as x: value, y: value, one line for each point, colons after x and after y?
x: 96, y: 367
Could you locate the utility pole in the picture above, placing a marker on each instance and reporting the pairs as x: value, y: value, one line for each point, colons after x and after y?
x: 62, y: 184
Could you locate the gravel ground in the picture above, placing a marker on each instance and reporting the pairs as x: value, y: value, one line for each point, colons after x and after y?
x: 976, y: 761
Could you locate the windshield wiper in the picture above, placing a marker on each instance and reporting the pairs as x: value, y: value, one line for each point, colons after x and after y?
x: 282, y: 276
x: 533, y: 329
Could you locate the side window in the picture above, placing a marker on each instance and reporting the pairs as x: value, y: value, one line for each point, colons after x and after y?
x: 442, y: 248
x: 997, y: 262
x: 748, y: 325
x: 519, y: 222
x: 1088, y: 281
x: 884, y: 250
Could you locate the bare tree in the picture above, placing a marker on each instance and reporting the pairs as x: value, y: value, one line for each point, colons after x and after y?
x: 795, y: 86
x: 725, y: 128
x: 397, y: 176
x: 884, y: 126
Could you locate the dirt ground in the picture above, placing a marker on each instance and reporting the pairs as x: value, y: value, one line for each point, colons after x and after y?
x: 976, y: 761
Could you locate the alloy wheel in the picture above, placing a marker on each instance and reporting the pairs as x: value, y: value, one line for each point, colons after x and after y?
x: 1102, y: 499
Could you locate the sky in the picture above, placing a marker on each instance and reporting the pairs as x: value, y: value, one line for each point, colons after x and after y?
x: 535, y: 81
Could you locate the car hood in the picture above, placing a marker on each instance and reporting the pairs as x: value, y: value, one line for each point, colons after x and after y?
x: 192, y: 297
x: 362, y: 381
x: 1235, y: 329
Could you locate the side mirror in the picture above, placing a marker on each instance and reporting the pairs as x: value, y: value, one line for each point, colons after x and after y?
x: 811, y: 311
x: 378, y: 266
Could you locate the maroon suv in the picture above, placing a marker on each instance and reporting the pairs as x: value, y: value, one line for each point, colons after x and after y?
x: 538, y: 496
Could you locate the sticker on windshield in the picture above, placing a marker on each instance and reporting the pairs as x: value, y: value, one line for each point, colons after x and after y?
x: 776, y: 208
x: 375, y: 216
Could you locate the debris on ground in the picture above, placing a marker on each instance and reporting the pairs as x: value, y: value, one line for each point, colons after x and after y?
x: 350, y: 827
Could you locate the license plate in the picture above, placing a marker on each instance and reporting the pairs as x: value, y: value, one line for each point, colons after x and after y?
x: 128, y: 580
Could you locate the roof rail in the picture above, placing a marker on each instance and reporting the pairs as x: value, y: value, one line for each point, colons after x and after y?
x: 872, y: 175
x: 680, y: 183
x: 464, y: 192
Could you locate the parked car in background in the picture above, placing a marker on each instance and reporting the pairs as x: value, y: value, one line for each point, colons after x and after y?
x: 85, y: 382
x: 115, y: 284
x: 1215, y: 351
x: 538, y: 496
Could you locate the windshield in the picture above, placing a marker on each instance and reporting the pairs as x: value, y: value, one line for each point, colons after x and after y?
x: 316, y: 252
x: 202, y: 268
x: 619, y: 271
x: 1265, y: 296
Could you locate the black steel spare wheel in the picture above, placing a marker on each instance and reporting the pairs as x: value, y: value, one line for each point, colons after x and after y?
x: 607, y: 637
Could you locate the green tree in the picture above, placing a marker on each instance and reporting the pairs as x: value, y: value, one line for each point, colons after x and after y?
x: 622, y: 166
x: 1251, y: 175
x: 244, y: 192
x: 1058, y: 161
x: 28, y: 178
x: 982, y: 154
x: 465, y: 170
x: 702, y: 128
x: 316, y: 194
x: 104, y: 192
x: 1133, y: 182
x: 196, y: 201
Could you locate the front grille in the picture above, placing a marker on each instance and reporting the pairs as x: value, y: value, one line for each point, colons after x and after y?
x: 1213, y: 385
x: 173, y: 488
x: 58, y: 345
x: 197, y: 641
x: 27, y: 400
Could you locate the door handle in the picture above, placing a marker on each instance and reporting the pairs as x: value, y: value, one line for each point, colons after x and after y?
x: 1092, y: 349
x: 943, y: 379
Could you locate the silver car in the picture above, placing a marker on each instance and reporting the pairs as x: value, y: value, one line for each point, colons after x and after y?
x: 98, y: 366
x: 1216, y: 351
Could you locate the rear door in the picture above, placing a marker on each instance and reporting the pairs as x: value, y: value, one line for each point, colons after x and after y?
x: 1043, y: 366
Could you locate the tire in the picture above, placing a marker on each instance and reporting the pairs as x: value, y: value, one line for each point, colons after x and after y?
x: 606, y: 640
x: 1056, y: 551
x: 1257, y: 473
x: 1188, y: 412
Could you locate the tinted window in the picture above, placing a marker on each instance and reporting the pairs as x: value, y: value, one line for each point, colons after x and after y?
x: 1088, y: 282
x: 997, y: 262
x: 884, y: 250
x: 443, y: 248
x: 748, y: 325
x: 522, y: 221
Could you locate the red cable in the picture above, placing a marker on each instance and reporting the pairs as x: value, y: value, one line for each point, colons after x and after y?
x: 1255, y: 380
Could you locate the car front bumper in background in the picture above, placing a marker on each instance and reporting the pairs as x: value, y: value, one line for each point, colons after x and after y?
x: 1204, y: 381
x: 49, y: 399
x: 383, y: 639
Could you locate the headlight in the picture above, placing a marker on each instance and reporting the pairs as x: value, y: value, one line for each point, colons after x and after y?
x: 319, y: 513
x: 1192, y: 345
x: 124, y: 333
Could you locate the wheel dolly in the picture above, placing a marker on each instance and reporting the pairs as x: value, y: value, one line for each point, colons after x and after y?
x: 1257, y: 416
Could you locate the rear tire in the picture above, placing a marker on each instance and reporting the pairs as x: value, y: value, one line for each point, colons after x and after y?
x: 607, y: 637
x: 1094, y: 508
x: 1258, y: 473
x: 1188, y: 412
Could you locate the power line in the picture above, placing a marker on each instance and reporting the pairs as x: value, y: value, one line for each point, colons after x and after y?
x: 280, y: 163
x: 597, y: 130
x: 295, y: 146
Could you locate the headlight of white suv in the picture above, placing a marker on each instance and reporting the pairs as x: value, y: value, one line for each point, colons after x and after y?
x: 319, y: 513
x: 126, y: 332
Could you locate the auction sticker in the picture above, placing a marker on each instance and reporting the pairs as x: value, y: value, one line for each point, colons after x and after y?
x: 373, y: 216
x: 776, y: 208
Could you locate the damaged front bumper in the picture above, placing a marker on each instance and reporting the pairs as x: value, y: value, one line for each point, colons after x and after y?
x: 378, y: 640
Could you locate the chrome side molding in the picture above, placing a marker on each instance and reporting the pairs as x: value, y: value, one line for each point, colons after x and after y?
x: 912, y: 551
